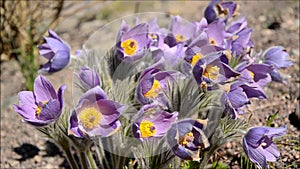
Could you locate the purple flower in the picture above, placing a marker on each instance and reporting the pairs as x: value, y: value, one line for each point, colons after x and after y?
x: 88, y: 78
x: 255, y: 73
x: 156, y: 35
x: 56, y: 51
x: 211, y: 69
x: 216, y: 33
x: 95, y: 115
x: 259, y: 146
x: 152, y: 122
x: 43, y: 105
x: 180, y: 32
x: 279, y: 58
x: 218, y: 9
x: 187, y: 139
x: 153, y: 84
x: 132, y: 44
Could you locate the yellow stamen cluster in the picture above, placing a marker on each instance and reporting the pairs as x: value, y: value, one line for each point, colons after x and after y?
x: 147, y: 129
x: 152, y: 36
x: 196, y: 58
x: 38, y: 110
x: 154, y: 91
x: 211, y: 72
x: 90, y: 118
x: 213, y: 42
x: 251, y: 74
x: 180, y: 38
x: 129, y: 46
x: 189, y: 137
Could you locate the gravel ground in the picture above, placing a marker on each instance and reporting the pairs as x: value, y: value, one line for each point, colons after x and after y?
x: 274, y: 23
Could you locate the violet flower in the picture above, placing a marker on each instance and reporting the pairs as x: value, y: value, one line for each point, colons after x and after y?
x: 259, y: 146
x: 153, y: 84
x: 218, y: 9
x: 88, y: 78
x: 56, y: 51
x: 180, y: 32
x: 279, y: 58
x: 152, y: 122
x: 132, y: 44
x: 95, y: 115
x: 43, y: 105
x: 187, y: 139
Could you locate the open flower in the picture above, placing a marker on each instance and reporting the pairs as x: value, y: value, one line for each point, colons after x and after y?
x: 153, y: 122
x: 43, y: 105
x: 181, y: 32
x: 259, y: 146
x: 153, y: 84
x: 88, y: 78
x: 56, y: 51
x: 132, y: 44
x: 95, y: 115
x: 187, y: 139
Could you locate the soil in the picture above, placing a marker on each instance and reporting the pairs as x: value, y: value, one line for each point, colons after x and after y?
x: 273, y: 23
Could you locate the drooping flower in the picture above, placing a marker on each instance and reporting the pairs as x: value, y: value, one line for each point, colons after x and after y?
x: 279, y: 58
x: 56, y: 51
x: 187, y: 139
x: 88, y: 78
x: 255, y: 73
x: 95, y: 115
x: 152, y: 121
x: 132, y: 44
x: 43, y: 105
x: 259, y: 146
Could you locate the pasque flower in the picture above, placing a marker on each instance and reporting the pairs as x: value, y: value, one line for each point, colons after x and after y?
x: 132, y: 44
x: 95, y: 115
x: 187, y: 139
x: 56, y: 51
x: 259, y: 146
x: 88, y: 78
x: 279, y: 58
x: 153, y: 84
x: 43, y: 105
x: 152, y: 121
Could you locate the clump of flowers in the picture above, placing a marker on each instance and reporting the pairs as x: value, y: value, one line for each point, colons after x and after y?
x: 160, y: 95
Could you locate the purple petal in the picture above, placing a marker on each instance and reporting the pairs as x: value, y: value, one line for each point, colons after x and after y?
x: 110, y: 111
x: 43, y: 90
x: 93, y: 94
x: 50, y: 111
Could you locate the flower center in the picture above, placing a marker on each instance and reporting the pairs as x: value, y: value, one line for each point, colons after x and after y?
x: 90, y: 118
x: 211, y: 72
x: 152, y: 36
x: 213, y: 42
x: 180, y: 38
x: 129, y: 46
x: 196, y: 58
x: 154, y: 91
x: 147, y: 129
x: 189, y: 137
x: 39, y: 108
x: 251, y: 74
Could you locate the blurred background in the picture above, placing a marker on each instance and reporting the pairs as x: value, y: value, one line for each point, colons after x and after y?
x: 24, y: 23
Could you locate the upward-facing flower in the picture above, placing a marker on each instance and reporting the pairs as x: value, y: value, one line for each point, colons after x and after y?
x: 132, y: 44
x: 95, y: 115
x: 88, y: 78
x: 152, y: 121
x: 181, y: 32
x: 56, y: 51
x: 187, y: 139
x: 259, y: 146
x: 43, y: 105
